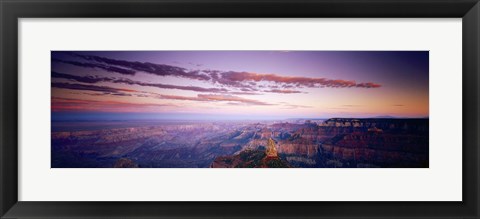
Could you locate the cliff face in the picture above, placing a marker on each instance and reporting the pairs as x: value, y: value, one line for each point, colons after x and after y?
x: 306, y: 141
x: 380, y: 149
x: 378, y: 143
x: 358, y: 143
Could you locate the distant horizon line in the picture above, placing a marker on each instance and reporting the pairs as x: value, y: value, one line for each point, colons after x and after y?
x: 217, y: 120
x: 119, y: 116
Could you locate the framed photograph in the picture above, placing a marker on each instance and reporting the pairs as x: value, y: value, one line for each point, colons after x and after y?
x: 252, y: 109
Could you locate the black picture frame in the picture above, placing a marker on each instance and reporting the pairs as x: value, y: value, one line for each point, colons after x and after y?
x: 12, y: 10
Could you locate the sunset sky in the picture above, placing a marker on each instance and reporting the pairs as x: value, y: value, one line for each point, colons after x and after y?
x: 239, y: 84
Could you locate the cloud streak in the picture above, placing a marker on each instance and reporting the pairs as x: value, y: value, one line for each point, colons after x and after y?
x: 232, y: 79
x: 96, y: 65
x: 70, y: 104
x: 148, y: 67
x: 215, y: 98
x: 283, y: 91
x: 96, y: 79
x: 121, y: 92
x: 85, y: 87
x: 236, y: 79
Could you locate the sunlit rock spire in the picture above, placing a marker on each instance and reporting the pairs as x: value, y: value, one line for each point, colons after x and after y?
x: 271, y: 150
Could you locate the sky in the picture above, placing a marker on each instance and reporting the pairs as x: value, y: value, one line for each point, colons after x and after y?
x: 239, y: 85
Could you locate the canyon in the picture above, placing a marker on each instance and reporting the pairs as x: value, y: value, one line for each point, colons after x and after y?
x: 322, y: 143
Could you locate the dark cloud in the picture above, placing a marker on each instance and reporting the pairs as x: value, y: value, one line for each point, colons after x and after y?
x: 84, y: 79
x: 96, y: 79
x: 368, y: 85
x: 168, y: 86
x: 148, y: 67
x: 96, y: 65
x: 122, y: 94
x: 90, y: 88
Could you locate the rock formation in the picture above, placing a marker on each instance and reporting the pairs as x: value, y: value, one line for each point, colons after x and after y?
x: 249, y: 159
x: 271, y: 150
